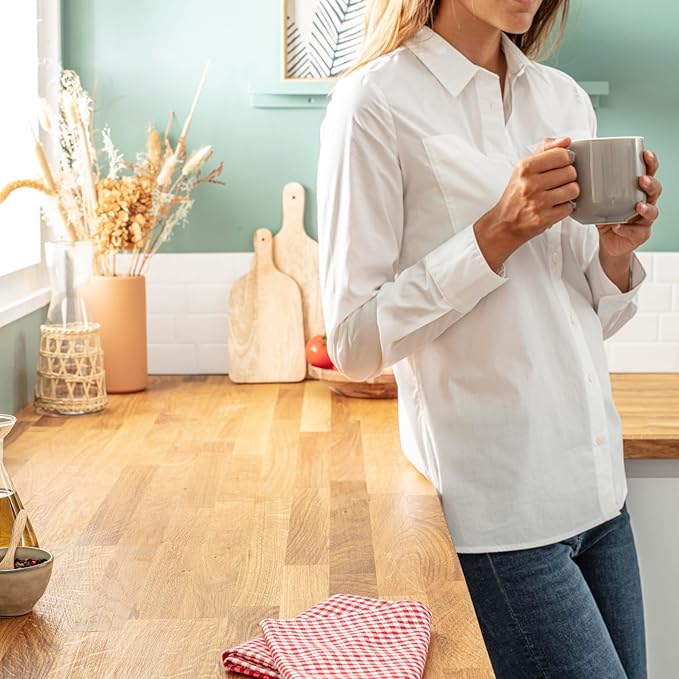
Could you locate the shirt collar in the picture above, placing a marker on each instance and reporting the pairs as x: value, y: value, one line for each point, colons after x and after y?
x: 451, y: 67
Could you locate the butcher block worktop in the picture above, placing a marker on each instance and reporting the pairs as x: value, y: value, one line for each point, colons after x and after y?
x: 182, y: 516
x: 649, y: 409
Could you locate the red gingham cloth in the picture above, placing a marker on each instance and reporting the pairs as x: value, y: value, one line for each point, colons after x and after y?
x: 342, y: 637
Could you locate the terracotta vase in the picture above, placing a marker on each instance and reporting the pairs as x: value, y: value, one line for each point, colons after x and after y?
x: 118, y: 304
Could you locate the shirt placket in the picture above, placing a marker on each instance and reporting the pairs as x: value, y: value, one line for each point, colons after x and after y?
x: 495, y: 138
x: 598, y: 422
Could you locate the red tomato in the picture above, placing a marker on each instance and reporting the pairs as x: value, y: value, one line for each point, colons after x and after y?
x: 317, y: 353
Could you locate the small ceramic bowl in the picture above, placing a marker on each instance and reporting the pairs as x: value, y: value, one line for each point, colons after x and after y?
x: 21, y: 588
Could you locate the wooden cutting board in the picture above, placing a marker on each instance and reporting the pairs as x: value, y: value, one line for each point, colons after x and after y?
x: 266, y: 330
x: 296, y: 254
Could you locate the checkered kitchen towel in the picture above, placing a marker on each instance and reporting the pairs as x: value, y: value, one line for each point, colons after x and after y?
x: 344, y: 636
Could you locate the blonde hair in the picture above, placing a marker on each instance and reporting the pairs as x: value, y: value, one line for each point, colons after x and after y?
x: 390, y: 23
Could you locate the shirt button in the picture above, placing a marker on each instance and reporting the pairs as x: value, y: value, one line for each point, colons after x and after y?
x: 600, y: 440
x: 571, y: 318
x: 555, y: 257
x: 590, y: 379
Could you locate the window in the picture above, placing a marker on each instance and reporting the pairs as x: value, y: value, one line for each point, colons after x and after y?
x: 20, y: 213
x: 29, y: 35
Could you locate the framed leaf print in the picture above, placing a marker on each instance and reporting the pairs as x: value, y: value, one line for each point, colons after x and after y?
x: 321, y: 38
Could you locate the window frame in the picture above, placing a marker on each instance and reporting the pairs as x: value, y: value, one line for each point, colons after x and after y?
x: 26, y: 290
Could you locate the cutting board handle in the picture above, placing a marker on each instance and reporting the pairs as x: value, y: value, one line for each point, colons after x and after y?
x: 263, y: 250
x: 293, y: 207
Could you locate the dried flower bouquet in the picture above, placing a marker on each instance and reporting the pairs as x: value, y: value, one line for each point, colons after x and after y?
x: 132, y: 207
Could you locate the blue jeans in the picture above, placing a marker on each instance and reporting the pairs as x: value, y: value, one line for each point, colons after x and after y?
x: 569, y: 610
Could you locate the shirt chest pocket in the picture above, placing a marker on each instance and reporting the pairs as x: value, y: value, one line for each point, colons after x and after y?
x: 470, y: 181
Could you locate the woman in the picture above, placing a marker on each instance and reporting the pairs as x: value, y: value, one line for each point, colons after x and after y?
x: 447, y: 251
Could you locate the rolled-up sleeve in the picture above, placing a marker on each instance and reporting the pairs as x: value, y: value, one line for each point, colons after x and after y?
x: 613, y: 306
x: 376, y: 315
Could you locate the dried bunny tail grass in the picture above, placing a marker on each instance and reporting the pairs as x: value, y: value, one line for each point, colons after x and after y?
x: 154, y: 148
x: 35, y: 184
x: 167, y: 171
x: 116, y: 162
x: 196, y: 160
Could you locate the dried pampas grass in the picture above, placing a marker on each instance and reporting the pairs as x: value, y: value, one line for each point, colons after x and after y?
x: 137, y: 206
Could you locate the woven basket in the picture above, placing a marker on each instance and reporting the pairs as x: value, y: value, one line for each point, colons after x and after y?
x: 70, y: 370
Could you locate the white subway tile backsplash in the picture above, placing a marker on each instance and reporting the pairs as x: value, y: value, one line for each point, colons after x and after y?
x: 642, y: 328
x: 201, y: 329
x: 209, y: 299
x: 655, y: 297
x: 172, y: 359
x: 212, y: 359
x: 666, y: 267
x: 187, y: 298
x: 669, y: 327
x: 644, y: 357
x: 166, y: 299
x: 160, y: 329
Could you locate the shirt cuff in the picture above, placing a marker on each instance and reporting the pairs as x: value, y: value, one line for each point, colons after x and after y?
x: 603, y: 288
x: 461, y: 272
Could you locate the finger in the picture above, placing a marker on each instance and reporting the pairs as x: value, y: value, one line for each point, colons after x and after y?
x: 557, y: 213
x: 555, y: 178
x: 651, y: 186
x: 637, y: 234
x: 554, y: 142
x: 647, y: 211
x: 544, y: 161
x: 562, y: 194
x: 651, y: 161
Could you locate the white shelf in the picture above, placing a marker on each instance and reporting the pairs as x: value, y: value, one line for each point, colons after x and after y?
x: 315, y: 93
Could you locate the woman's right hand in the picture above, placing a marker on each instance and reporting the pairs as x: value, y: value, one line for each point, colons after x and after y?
x: 537, y: 196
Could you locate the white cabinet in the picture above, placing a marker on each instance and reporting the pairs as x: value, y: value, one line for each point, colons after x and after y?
x: 653, y: 503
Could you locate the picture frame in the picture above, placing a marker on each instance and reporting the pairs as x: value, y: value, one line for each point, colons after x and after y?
x: 320, y: 38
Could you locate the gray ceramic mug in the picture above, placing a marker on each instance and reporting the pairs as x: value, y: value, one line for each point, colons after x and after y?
x: 608, y: 174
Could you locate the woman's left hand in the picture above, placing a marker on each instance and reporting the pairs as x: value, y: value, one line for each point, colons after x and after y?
x: 622, y: 239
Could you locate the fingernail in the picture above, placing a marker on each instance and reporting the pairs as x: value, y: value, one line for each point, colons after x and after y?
x: 643, y: 208
x: 571, y: 155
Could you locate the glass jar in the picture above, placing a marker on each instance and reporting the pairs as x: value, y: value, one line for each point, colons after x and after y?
x: 69, y: 265
x: 10, y: 502
x: 70, y: 378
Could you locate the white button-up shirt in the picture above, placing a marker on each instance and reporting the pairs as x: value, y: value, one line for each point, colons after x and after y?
x: 504, y: 394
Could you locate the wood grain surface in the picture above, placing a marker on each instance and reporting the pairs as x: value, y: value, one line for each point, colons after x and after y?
x: 183, y: 515
x: 649, y: 408
x: 266, y: 330
x: 296, y: 254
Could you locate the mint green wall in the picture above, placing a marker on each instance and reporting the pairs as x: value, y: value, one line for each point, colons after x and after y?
x: 19, y: 342
x: 148, y: 56
x: 635, y: 47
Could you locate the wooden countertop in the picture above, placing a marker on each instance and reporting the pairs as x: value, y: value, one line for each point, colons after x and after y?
x: 649, y: 409
x: 182, y: 516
